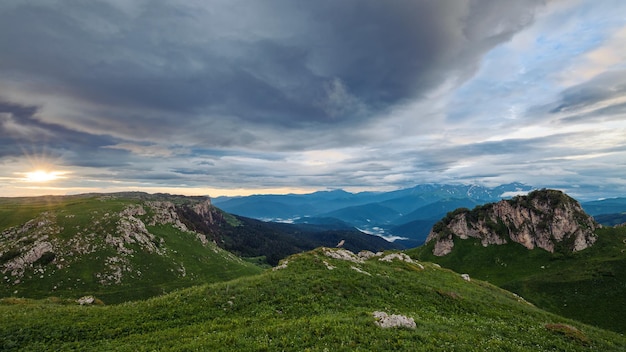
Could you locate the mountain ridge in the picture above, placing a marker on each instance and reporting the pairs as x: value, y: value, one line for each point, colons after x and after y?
x: 132, y: 245
x: 398, y: 207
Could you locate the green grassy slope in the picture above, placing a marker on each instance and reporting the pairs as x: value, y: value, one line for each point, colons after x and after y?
x: 589, y: 285
x: 86, y: 254
x: 315, y: 303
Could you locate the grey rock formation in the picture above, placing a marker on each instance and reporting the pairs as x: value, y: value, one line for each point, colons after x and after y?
x: 542, y: 219
x: 385, y: 320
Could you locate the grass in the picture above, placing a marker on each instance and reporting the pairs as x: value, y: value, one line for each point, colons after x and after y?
x: 586, y: 285
x: 307, y: 307
x: 234, y: 305
x: 16, y: 211
x: 569, y: 331
x: 85, y: 221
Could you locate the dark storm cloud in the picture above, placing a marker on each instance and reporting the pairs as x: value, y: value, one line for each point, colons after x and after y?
x: 22, y: 132
x: 286, y: 62
x: 444, y: 157
x: 509, y: 158
x: 240, y: 94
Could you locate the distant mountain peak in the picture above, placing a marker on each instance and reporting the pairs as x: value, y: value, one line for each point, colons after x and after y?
x: 547, y: 219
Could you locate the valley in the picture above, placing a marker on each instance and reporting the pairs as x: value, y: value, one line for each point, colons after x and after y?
x: 137, y: 271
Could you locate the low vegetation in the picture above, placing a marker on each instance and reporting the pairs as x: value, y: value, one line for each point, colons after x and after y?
x: 91, y: 244
x: 131, y: 246
x: 586, y: 285
x: 319, y: 300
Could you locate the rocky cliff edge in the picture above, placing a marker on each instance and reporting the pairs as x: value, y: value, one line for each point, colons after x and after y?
x: 547, y: 219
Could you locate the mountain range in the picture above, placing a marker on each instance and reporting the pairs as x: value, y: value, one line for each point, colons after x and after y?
x: 404, y: 216
x: 610, y: 211
x: 137, y: 271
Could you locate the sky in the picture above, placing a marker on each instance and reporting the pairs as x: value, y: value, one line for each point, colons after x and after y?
x: 233, y: 97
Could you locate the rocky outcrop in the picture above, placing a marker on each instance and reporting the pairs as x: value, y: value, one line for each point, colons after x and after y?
x: 544, y: 219
x: 204, y: 210
x: 342, y: 254
x: 165, y: 213
x: 385, y: 320
x: 42, y: 245
x: 17, y: 266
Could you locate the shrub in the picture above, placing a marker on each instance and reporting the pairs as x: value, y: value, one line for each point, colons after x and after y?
x: 45, y: 258
x: 569, y: 332
x: 8, y: 255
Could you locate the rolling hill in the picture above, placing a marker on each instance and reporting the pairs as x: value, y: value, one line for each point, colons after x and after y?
x: 324, y: 300
x: 115, y: 246
x: 127, y: 246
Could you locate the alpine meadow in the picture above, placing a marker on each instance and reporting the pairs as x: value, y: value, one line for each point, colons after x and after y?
x: 330, y: 175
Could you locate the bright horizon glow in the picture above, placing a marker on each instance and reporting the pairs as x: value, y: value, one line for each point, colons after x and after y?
x: 42, y: 190
x: 41, y: 176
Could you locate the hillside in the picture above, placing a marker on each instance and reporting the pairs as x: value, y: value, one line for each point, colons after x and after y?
x: 324, y: 300
x: 127, y: 246
x: 586, y: 284
x: 274, y: 241
x: 117, y: 246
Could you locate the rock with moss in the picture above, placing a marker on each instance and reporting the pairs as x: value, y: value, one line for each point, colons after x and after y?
x: 546, y: 219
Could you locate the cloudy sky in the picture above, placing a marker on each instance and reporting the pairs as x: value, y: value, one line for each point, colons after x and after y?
x: 225, y: 97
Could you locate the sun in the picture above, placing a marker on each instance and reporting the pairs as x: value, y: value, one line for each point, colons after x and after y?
x: 40, y: 176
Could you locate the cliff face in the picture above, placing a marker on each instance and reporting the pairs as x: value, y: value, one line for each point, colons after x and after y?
x: 545, y: 219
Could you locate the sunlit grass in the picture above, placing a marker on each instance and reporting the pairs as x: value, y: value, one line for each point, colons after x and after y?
x: 307, y: 307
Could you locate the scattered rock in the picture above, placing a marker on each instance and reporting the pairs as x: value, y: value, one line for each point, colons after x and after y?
x: 465, y: 277
x: 86, y: 300
x: 397, y: 256
x: 384, y: 320
x: 165, y: 213
x: 133, y: 210
x: 17, y: 265
x: 365, y: 254
x: 342, y: 254
x: 328, y: 266
x: 282, y: 265
x: 360, y: 270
